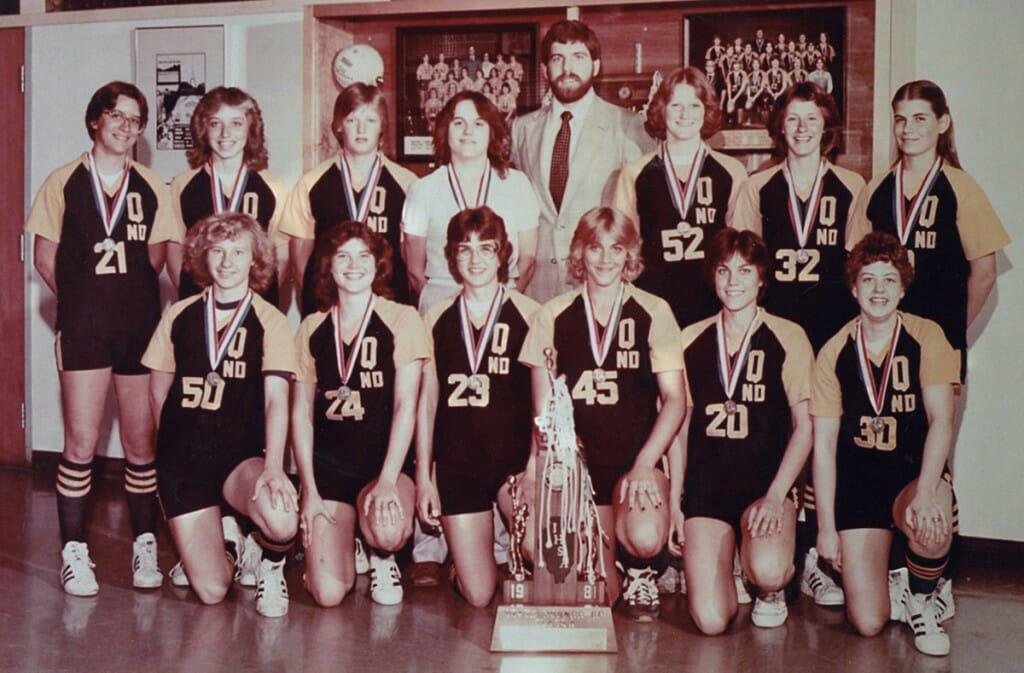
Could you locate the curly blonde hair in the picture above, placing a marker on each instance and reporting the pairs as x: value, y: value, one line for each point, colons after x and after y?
x: 229, y: 226
x: 610, y: 221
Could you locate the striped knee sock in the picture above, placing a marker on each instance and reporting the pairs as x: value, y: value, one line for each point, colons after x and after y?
x: 140, y: 493
x: 74, y: 481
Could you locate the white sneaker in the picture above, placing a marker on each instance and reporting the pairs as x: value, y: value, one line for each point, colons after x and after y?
x: 770, y: 610
x: 944, y: 603
x: 247, y: 567
x: 178, y: 576
x: 362, y: 563
x: 818, y: 584
x: 76, y: 575
x: 145, y: 571
x: 929, y: 637
x: 668, y: 583
x: 899, y: 590
x: 271, y: 589
x: 385, y: 580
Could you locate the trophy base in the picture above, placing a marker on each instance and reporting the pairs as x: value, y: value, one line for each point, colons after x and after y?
x: 551, y: 628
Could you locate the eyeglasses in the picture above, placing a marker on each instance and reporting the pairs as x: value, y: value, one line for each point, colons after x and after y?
x: 487, y: 251
x: 134, y: 123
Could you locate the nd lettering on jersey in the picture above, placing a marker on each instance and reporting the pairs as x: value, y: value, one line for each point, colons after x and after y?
x: 497, y: 361
x: 347, y: 402
x: 924, y: 237
x: 198, y: 392
x: 599, y: 386
x: 377, y: 220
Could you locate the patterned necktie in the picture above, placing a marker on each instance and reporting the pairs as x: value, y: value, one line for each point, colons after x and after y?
x: 560, y: 161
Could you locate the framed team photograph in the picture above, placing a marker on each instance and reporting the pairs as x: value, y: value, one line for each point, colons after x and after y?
x: 435, y: 63
x: 174, y: 68
x: 752, y: 57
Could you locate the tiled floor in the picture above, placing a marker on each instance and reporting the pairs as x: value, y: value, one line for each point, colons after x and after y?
x: 41, y: 629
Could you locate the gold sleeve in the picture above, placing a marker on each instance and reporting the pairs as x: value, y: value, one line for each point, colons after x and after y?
x: 746, y: 211
x: 796, y: 369
x: 296, y: 219
x: 826, y: 393
x: 305, y: 365
x: 159, y: 355
x: 540, y: 337
x: 165, y: 225
x: 46, y: 218
x: 624, y: 199
x: 278, y: 344
x: 666, y: 355
x: 174, y: 212
x: 940, y: 362
x: 981, y: 230
x: 280, y: 192
x: 411, y: 339
x: 858, y: 225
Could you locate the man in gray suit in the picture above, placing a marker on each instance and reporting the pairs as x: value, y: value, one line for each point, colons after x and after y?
x: 572, y: 148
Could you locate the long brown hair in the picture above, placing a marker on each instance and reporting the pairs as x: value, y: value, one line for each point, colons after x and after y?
x: 499, y: 145
x: 926, y: 90
x: 655, y: 124
x: 325, y: 291
x: 255, y: 152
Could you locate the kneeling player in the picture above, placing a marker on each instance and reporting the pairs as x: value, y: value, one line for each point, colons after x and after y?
x: 744, y: 441
x: 883, y: 426
x: 360, y: 359
x: 618, y: 348
x: 220, y: 364
x: 475, y: 416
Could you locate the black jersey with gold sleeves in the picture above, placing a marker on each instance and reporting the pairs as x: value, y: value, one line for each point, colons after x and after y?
x: 673, y: 253
x: 615, y: 403
x: 93, y: 278
x: 956, y: 225
x: 923, y: 357
x: 206, y: 415
x: 810, y: 288
x: 192, y: 200
x: 490, y: 423
x: 739, y: 453
x: 318, y: 202
x: 353, y: 430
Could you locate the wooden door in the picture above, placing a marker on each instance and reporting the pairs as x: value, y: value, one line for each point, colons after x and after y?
x: 12, y: 270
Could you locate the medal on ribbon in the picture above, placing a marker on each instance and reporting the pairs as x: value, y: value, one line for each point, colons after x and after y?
x: 728, y: 369
x: 347, y: 364
x: 482, y: 189
x: 217, y: 345
x: 599, y: 347
x: 905, y: 220
x: 683, y: 201
x: 231, y: 204
x: 475, y: 349
x: 876, y: 390
x: 359, y: 211
x: 803, y: 220
x: 108, y: 215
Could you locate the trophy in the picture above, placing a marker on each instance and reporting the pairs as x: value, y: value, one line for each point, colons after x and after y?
x: 562, y: 605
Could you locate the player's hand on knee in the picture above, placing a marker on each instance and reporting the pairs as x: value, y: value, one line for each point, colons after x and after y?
x: 640, y: 488
x: 383, y: 503
x: 766, y: 517
x: 677, y: 532
x: 428, y: 503
x: 279, y: 487
x: 829, y: 548
x: 926, y: 518
x: 312, y: 507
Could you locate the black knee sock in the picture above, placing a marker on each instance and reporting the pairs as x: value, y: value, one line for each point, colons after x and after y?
x: 74, y: 481
x: 924, y: 572
x: 273, y: 550
x: 140, y: 493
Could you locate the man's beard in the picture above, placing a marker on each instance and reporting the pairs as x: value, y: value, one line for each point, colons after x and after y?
x: 564, y: 90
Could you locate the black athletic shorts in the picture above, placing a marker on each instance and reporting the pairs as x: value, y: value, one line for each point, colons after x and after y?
x: 340, y: 483
x: 865, y: 500
x: 726, y: 507
x: 190, y: 483
x: 121, y: 349
x: 469, y: 487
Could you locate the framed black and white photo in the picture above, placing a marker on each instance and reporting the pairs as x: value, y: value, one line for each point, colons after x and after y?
x: 752, y: 57
x: 499, y: 61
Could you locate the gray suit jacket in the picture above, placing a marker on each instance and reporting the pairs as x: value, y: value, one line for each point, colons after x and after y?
x: 610, y: 137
